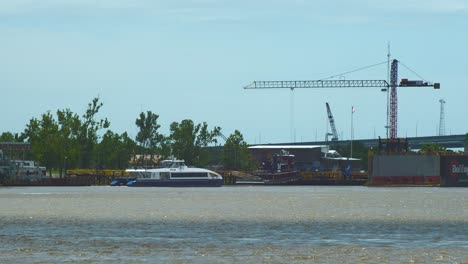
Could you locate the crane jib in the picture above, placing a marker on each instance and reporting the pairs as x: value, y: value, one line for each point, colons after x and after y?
x: 317, y: 84
x: 335, y: 84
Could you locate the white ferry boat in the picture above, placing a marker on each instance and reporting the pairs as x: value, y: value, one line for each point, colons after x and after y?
x: 174, y: 173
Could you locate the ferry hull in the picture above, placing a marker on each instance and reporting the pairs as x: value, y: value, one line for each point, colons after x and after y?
x: 121, y: 181
x: 177, y: 183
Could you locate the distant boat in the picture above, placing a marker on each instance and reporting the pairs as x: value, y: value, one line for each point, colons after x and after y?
x: 172, y: 173
x: 20, y: 169
x: 280, y: 169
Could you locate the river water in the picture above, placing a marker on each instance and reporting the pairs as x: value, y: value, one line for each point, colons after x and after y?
x: 233, y: 224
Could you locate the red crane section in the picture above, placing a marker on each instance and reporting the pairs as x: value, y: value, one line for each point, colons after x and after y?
x: 393, y: 100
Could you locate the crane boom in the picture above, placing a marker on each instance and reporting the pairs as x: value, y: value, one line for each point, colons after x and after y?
x: 317, y: 84
x: 332, y: 123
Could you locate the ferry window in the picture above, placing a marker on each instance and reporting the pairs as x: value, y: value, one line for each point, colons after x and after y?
x: 164, y: 175
x: 147, y: 174
x: 144, y: 174
x: 189, y: 175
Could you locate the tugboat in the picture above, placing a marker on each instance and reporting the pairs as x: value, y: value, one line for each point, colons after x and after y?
x: 279, y: 170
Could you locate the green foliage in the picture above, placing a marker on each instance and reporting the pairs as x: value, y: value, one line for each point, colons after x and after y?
x: 14, y: 153
x: 115, y: 151
x: 150, y: 140
x: 9, y: 137
x: 187, y: 141
x: 43, y: 134
x: 431, y: 148
x: 68, y: 141
x: 69, y: 128
x: 87, y: 133
x: 236, y: 155
x: 359, y: 151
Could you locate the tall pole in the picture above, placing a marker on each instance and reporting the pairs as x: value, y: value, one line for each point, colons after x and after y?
x: 352, y: 130
x: 387, y: 126
x: 292, y: 116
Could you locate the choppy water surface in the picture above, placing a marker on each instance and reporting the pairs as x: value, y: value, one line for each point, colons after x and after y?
x: 240, y: 224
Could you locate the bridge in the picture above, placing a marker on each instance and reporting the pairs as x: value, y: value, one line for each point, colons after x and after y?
x: 452, y: 141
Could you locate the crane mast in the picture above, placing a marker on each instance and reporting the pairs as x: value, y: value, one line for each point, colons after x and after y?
x: 332, y: 123
x: 393, y: 99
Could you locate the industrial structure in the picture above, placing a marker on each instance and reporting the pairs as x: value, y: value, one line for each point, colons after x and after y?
x: 382, y: 84
x: 334, y: 134
x: 442, y: 118
x: 451, y: 141
x: 392, y: 162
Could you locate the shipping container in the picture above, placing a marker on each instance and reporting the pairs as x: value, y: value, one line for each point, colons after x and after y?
x: 454, y: 171
x: 405, y: 170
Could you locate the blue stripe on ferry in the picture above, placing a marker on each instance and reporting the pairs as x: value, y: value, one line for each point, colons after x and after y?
x: 177, y: 183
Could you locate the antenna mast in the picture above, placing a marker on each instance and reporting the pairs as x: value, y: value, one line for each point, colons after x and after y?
x: 387, y: 125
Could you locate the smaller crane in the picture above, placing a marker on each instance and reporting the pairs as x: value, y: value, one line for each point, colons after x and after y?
x: 334, y: 134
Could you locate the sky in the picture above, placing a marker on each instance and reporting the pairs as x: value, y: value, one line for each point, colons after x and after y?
x: 191, y: 59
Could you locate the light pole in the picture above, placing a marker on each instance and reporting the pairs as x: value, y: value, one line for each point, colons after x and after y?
x: 65, y: 166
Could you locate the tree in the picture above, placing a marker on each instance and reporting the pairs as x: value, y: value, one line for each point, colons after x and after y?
x: 114, y: 150
x: 14, y: 153
x: 205, y: 138
x: 87, y: 133
x: 69, y: 128
x: 187, y: 139
x: 43, y: 135
x: 148, y: 137
x: 127, y: 150
x: 236, y: 154
x: 67, y: 141
x: 8, y: 137
x: 431, y: 148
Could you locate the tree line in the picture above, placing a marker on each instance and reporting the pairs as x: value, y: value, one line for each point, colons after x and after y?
x: 67, y: 140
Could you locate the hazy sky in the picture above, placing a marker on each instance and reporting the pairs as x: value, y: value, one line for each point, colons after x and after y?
x: 190, y: 60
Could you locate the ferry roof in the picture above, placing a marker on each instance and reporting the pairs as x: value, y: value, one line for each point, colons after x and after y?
x: 288, y: 146
x: 342, y: 158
